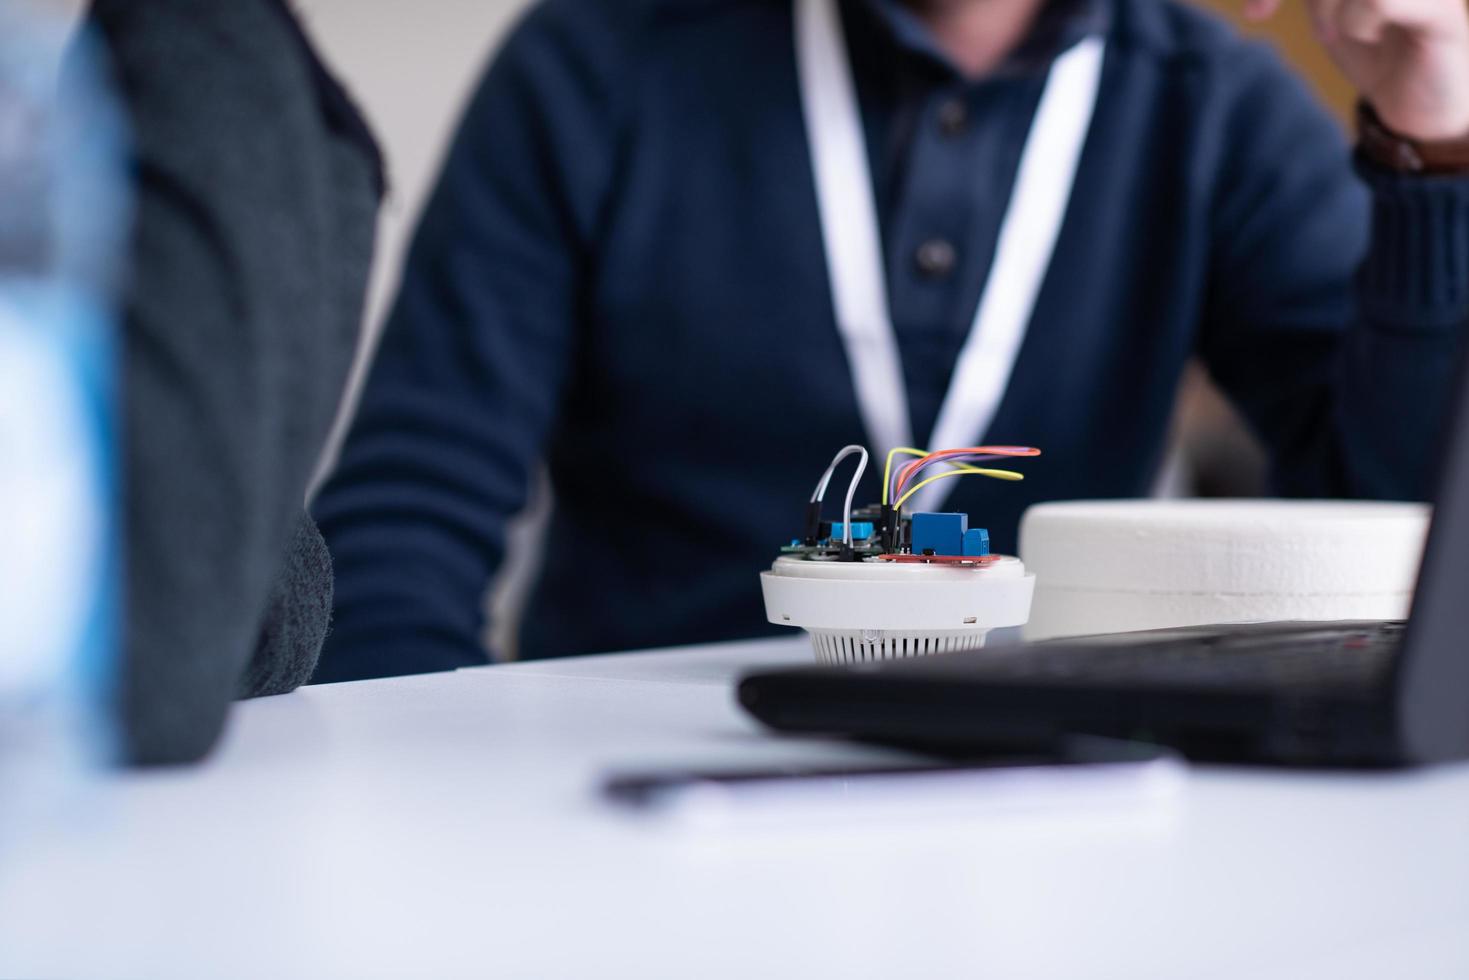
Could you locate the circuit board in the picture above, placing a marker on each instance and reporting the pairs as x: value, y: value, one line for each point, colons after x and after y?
x: 885, y: 532
x: 825, y: 541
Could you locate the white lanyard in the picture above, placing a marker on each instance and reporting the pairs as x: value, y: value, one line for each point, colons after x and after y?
x: 1028, y: 232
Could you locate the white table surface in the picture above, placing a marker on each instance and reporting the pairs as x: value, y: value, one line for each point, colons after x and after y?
x: 450, y: 825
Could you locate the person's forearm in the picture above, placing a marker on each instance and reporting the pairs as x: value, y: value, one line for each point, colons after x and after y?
x: 1399, y: 364
x: 229, y: 376
x: 1409, y: 60
x: 472, y: 371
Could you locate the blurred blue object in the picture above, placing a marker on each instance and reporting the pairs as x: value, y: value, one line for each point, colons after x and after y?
x: 63, y: 221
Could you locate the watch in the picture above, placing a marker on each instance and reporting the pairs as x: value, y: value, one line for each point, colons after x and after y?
x: 1394, y: 151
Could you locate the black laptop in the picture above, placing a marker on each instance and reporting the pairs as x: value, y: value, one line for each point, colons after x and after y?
x: 1352, y: 694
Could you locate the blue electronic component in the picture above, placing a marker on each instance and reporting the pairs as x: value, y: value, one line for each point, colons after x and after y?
x: 943, y: 534
x: 861, y: 530
x: 976, y: 542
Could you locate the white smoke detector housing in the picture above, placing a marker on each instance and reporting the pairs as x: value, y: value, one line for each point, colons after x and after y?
x: 877, y: 609
x: 882, y: 584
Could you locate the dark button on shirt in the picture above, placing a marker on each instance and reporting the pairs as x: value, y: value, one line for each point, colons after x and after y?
x: 953, y: 115
x: 935, y: 258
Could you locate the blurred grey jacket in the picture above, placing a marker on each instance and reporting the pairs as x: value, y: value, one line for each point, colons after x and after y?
x: 257, y: 190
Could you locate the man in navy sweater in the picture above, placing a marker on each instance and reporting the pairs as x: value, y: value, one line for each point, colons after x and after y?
x: 682, y: 250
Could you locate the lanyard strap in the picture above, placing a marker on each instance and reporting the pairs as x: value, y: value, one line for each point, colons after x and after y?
x: 850, y: 233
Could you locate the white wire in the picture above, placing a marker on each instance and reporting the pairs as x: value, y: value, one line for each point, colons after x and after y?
x: 820, y: 492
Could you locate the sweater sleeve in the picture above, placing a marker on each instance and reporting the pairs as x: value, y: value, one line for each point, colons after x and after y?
x: 1338, y: 299
x: 248, y: 264
x: 467, y: 383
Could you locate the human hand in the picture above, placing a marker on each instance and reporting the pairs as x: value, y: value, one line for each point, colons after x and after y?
x: 1408, y: 58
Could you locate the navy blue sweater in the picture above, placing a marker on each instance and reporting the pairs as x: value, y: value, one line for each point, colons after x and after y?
x: 621, y: 273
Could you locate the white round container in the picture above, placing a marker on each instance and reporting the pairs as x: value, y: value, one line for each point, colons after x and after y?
x: 1117, y: 566
x: 880, y: 610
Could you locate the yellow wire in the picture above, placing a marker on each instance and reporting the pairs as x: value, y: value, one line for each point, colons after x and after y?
x: 1010, y: 475
x: 887, y: 470
x: 959, y: 468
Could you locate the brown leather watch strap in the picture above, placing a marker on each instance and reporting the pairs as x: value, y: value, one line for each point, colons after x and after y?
x: 1395, y: 152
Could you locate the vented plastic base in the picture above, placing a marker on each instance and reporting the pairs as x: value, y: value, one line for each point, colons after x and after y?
x: 867, y: 646
x: 858, y: 612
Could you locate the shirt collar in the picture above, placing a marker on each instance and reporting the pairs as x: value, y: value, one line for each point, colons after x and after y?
x: 1059, y: 25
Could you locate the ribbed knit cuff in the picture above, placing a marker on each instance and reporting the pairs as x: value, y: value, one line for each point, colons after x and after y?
x: 1416, y: 274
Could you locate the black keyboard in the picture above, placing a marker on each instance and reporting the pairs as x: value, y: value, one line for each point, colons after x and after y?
x: 1215, y: 657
